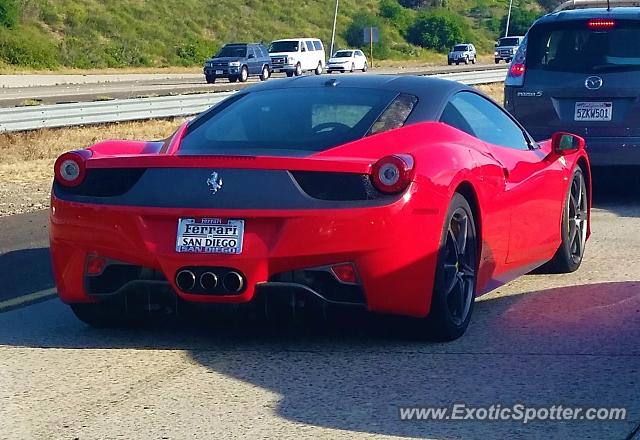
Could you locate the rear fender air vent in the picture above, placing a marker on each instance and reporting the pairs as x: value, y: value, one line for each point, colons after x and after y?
x: 336, y: 186
x: 105, y: 182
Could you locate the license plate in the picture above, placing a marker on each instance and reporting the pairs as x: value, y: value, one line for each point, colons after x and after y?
x: 219, y: 72
x: 209, y: 236
x: 593, y: 111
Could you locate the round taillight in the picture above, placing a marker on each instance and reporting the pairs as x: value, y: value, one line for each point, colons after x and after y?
x: 517, y: 69
x: 392, y: 174
x: 70, y: 168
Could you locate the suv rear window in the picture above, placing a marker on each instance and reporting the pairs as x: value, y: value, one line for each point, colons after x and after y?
x: 573, y: 47
x: 299, y: 119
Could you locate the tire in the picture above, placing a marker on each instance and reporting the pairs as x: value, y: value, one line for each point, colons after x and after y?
x: 298, y: 71
x: 457, y: 63
x: 233, y: 79
x: 244, y: 74
x: 211, y: 79
x: 318, y: 70
x: 101, y: 315
x: 449, y: 62
x: 466, y: 60
x: 574, y: 226
x: 353, y: 67
x: 266, y: 73
x: 365, y: 67
x: 455, y: 282
x: 473, y: 61
x: 329, y: 71
x: 497, y: 61
x: 289, y: 74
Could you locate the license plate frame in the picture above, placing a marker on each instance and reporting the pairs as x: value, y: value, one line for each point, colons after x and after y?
x: 210, y: 236
x: 219, y: 72
x: 593, y: 111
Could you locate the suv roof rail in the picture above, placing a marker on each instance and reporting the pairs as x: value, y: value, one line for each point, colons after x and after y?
x: 580, y: 4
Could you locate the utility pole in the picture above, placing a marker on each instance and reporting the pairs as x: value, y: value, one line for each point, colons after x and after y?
x: 506, y: 30
x: 333, y: 34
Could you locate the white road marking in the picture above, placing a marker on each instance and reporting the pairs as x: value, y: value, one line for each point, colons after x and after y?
x: 27, y: 298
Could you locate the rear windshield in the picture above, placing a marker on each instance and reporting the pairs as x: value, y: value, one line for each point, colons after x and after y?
x: 509, y: 42
x: 459, y: 48
x: 301, y: 119
x: 233, y: 51
x: 283, y: 46
x: 573, y: 47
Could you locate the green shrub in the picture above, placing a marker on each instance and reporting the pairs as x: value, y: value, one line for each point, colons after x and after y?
x: 9, y: 13
x: 399, y: 16
x: 27, y: 47
x: 521, y: 21
x: 194, y: 52
x: 439, y: 30
x: 355, y: 34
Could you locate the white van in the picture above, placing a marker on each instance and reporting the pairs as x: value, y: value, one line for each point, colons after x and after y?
x: 294, y: 56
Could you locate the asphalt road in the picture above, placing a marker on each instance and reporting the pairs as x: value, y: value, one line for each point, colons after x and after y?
x: 541, y: 340
x: 18, y: 90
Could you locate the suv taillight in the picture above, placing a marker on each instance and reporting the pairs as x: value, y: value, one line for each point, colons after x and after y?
x: 517, y: 69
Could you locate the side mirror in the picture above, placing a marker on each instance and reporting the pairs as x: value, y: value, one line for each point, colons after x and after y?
x: 566, y: 143
x: 495, y: 45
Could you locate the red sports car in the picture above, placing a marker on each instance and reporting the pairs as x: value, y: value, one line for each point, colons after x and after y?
x: 402, y: 195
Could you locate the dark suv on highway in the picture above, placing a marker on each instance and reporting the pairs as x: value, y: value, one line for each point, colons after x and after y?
x: 239, y: 61
x: 579, y: 71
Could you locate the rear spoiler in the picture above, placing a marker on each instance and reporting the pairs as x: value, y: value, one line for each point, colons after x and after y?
x: 581, y: 4
x: 344, y: 165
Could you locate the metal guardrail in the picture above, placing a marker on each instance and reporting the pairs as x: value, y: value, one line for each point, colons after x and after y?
x: 121, y: 110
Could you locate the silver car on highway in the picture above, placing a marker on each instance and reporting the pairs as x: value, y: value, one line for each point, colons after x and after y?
x: 462, y: 53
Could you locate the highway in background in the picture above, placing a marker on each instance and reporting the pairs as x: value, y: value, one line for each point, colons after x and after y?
x: 16, y: 90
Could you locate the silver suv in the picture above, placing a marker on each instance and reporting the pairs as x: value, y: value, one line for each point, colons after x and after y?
x: 462, y: 53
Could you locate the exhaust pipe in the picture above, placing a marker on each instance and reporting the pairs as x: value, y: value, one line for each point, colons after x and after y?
x: 208, y: 281
x: 233, y: 282
x: 186, y: 280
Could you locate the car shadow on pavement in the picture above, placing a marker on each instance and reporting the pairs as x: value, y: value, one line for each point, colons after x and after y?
x: 575, y: 346
x: 25, y: 271
x: 617, y: 189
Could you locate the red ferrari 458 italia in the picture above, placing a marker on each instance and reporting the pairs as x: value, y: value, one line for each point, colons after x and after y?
x: 402, y: 195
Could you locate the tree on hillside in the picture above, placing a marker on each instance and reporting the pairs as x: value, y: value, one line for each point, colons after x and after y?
x: 9, y: 12
x: 521, y: 21
x: 355, y: 33
x: 439, y: 30
x: 401, y: 17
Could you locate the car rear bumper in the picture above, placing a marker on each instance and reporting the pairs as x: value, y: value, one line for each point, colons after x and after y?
x: 395, y: 268
x: 613, y: 151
